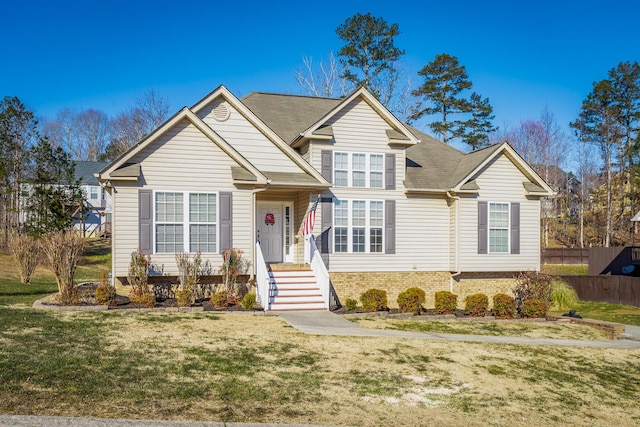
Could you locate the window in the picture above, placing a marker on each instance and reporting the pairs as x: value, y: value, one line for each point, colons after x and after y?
x: 93, y: 193
x: 359, y: 170
x: 358, y: 226
x: 498, y: 227
x: 176, y: 231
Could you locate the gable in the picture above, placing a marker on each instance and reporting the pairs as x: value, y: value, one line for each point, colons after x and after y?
x: 183, y: 155
x: 500, y: 179
x: 250, y: 142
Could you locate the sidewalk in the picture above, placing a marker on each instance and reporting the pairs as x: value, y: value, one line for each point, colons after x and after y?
x: 327, y: 323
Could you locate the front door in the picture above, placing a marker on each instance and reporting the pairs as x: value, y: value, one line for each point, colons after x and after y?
x: 270, y: 230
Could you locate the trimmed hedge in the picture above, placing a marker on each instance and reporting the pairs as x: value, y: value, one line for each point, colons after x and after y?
x: 446, y: 302
x: 374, y: 300
x: 534, y: 308
x: 411, y: 300
x: 477, y: 305
x: 504, y: 306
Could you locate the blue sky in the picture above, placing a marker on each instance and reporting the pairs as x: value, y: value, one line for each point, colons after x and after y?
x: 101, y: 54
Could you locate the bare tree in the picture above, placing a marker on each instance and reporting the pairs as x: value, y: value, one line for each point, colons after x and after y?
x: 326, y: 79
x: 84, y: 135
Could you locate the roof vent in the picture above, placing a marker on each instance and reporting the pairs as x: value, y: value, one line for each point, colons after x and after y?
x: 221, y: 112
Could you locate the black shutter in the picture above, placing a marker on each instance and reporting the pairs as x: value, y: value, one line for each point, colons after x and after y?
x: 226, y: 221
x: 515, y: 228
x: 145, y: 221
x: 390, y: 227
x: 483, y: 222
x: 390, y: 171
x: 327, y: 165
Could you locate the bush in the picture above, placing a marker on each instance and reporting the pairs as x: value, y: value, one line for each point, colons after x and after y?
x: 504, y: 306
x: 26, y: 252
x: 534, y: 308
x: 351, y: 304
x: 147, y: 300
x: 105, y: 294
x: 184, y: 297
x: 477, y: 305
x: 446, y: 302
x: 374, y: 300
x: 138, y: 275
x: 249, y: 301
x: 563, y: 296
x: 221, y: 299
x: 411, y: 300
x: 532, y: 285
x: 63, y: 250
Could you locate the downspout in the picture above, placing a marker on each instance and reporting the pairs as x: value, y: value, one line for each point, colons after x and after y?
x: 253, y: 225
x: 457, y: 273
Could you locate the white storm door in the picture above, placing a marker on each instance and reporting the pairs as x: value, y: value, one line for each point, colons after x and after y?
x: 270, y: 233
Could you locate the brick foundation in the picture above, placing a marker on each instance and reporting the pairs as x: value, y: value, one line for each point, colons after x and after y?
x: 352, y: 285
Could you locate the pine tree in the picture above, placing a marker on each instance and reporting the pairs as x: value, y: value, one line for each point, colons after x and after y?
x: 369, y: 54
x: 443, y: 91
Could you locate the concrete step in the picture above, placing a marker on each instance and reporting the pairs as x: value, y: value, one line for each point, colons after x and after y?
x: 283, y: 305
x: 310, y: 299
x: 294, y: 291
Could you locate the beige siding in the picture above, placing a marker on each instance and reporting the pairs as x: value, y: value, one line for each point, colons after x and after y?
x: 422, y: 223
x: 181, y: 160
x: 248, y: 140
x: 500, y: 181
x: 454, y: 206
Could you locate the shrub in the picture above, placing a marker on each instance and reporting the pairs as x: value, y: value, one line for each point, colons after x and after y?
x: 563, y: 296
x: 411, y: 300
x: 504, y: 306
x: 147, y: 300
x: 138, y: 275
x: 374, y: 300
x: 532, y: 285
x: 477, y: 305
x: 26, y: 252
x: 249, y: 301
x: 105, y: 294
x: 446, y: 302
x: 220, y: 299
x: 534, y: 308
x: 184, y: 297
x: 351, y: 304
x: 63, y: 250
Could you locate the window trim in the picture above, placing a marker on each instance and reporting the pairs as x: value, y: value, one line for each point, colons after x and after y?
x: 186, y: 241
x: 507, y: 228
x: 367, y: 227
x: 367, y: 170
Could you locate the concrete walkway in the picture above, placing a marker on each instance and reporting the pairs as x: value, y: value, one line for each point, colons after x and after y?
x: 327, y: 323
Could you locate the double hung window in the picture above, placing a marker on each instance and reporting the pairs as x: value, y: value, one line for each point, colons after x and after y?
x: 185, y: 222
x: 499, y: 227
x: 360, y: 170
x: 358, y: 226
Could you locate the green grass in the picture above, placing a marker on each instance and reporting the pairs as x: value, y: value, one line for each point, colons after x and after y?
x: 565, y: 270
x: 626, y: 314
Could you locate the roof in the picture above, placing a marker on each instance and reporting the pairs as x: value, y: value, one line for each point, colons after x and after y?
x: 85, y: 171
x: 288, y: 115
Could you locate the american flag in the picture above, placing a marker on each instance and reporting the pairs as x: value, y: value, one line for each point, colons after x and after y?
x: 310, y: 219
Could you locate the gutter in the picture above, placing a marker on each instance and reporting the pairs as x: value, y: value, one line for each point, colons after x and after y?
x: 458, y: 272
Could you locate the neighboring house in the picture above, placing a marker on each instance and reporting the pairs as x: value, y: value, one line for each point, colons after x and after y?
x: 397, y: 209
x: 94, y: 220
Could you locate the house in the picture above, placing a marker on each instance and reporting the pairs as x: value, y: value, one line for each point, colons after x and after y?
x: 94, y: 219
x: 396, y: 208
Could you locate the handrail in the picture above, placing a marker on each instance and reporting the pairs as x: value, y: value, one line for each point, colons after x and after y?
x: 320, y: 271
x: 262, y: 278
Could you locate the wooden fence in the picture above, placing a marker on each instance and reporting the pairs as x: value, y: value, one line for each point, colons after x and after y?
x: 611, y: 289
x: 565, y: 256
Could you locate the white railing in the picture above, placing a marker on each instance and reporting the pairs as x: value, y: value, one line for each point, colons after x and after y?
x: 320, y: 271
x: 263, y: 280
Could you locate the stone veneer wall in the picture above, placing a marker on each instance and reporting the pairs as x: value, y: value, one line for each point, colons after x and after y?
x: 352, y: 285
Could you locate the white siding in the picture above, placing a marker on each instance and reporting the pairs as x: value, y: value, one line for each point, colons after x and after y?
x: 181, y: 160
x: 500, y: 181
x: 248, y: 140
x: 422, y: 223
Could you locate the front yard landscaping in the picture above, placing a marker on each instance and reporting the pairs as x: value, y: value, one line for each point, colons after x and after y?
x: 243, y: 368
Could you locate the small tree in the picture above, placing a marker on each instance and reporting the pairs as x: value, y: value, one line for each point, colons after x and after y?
x: 138, y: 275
x: 63, y: 250
x: 25, y: 251
x: 532, y: 285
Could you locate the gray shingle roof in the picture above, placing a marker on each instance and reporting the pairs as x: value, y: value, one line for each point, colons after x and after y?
x: 288, y: 115
x: 84, y: 171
